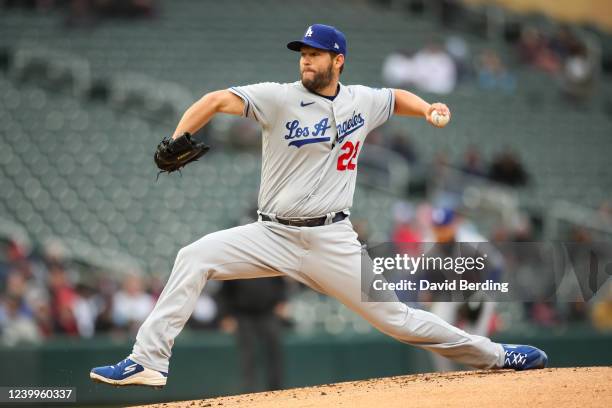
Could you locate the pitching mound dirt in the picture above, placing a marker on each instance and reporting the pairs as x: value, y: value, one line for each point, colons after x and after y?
x: 554, y: 387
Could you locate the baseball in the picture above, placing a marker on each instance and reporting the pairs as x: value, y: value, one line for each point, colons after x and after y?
x: 438, y: 119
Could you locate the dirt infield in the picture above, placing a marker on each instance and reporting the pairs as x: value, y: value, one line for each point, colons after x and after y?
x: 553, y: 387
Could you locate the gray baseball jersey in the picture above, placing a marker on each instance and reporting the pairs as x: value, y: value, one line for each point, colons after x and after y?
x: 311, y: 144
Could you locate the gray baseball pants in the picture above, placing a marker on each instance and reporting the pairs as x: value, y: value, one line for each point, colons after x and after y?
x: 326, y: 258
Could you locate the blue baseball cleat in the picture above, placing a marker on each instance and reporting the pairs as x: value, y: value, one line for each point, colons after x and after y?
x: 522, y: 357
x: 128, y: 372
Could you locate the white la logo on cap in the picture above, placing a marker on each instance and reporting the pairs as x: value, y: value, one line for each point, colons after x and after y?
x: 336, y: 46
x: 308, y: 32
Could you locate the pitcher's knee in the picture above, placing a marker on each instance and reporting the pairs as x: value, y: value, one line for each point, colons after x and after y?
x: 185, y: 255
x: 201, y: 253
x: 198, y: 249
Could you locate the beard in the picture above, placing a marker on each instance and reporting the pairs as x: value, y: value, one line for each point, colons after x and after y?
x: 319, y: 80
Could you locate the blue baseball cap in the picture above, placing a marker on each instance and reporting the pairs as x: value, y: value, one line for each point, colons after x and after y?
x: 323, y: 37
x: 441, y: 217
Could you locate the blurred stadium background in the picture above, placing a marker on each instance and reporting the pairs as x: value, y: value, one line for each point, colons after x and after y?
x: 88, y: 235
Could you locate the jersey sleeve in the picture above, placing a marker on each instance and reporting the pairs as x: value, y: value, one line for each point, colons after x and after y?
x: 261, y: 101
x: 382, y: 105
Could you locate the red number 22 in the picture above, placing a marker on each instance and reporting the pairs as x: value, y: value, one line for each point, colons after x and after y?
x: 346, y: 161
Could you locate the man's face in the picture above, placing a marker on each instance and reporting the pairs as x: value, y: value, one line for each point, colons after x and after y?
x: 445, y: 233
x: 316, y: 68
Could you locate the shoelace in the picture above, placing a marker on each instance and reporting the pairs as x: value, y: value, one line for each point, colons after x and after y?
x: 518, y: 359
x: 119, y: 363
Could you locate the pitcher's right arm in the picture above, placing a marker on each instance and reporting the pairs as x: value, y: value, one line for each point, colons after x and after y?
x: 202, y: 111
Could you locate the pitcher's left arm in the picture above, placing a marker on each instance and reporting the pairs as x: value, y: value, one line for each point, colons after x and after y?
x: 409, y: 104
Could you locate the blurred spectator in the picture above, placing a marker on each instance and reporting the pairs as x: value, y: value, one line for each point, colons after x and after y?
x: 512, y: 30
x: 54, y: 252
x: 16, y: 284
x: 563, y: 42
x: 433, y: 70
x: 542, y: 313
x: 534, y: 50
x: 492, y: 73
x: 459, y: 51
x: 63, y: 298
x: 156, y: 285
x: 104, y: 321
x: 580, y: 234
x: 88, y: 308
x: 132, y: 305
x: 577, y: 76
x: 397, y: 69
x: 563, y: 53
x: 472, y: 162
x: 254, y: 309
x: 430, y: 70
x: 16, y: 325
x: 43, y: 317
x: 519, y: 229
x: 16, y: 251
x: 405, y: 231
x: 106, y: 288
x: 506, y: 168
x: 401, y: 144
x: 85, y: 310
x: 15, y: 261
x: 205, y: 313
x: 523, y: 230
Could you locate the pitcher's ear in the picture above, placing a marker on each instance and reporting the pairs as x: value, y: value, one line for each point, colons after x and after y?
x: 340, y: 58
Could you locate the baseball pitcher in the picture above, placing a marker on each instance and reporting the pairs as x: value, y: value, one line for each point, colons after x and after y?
x: 313, y: 131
